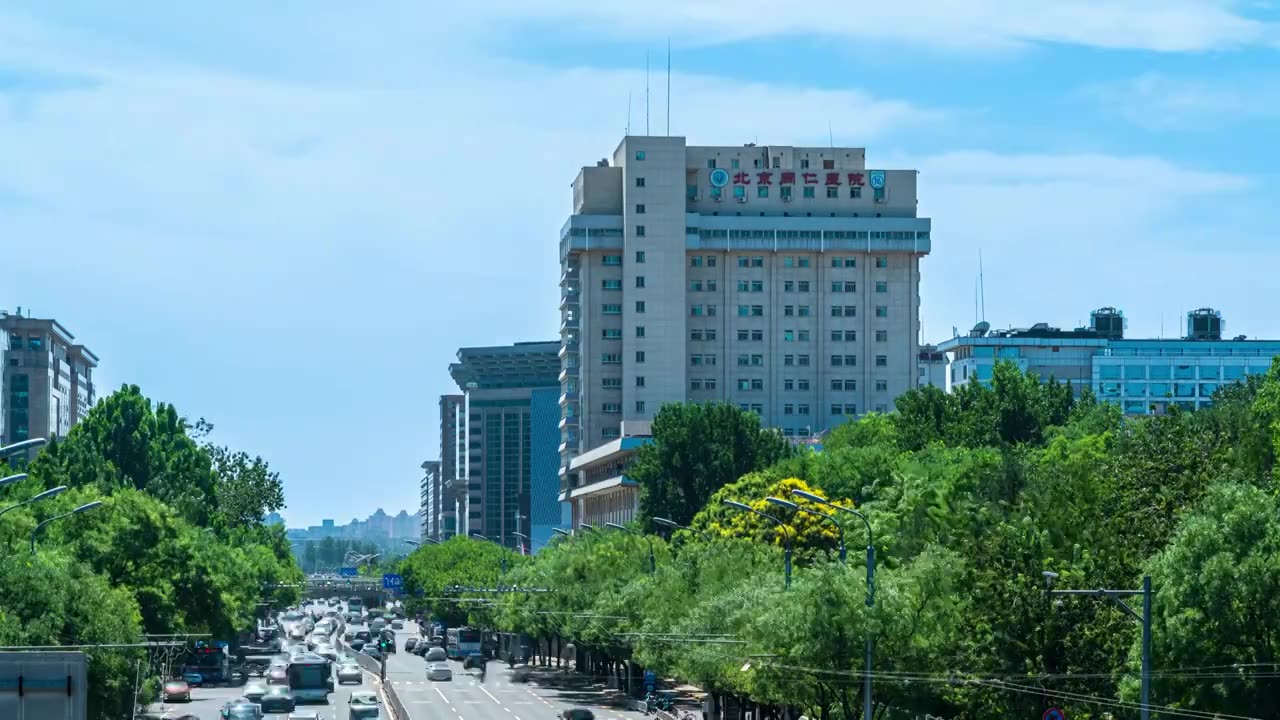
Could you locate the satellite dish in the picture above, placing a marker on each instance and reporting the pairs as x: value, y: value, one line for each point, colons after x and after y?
x: 980, y: 330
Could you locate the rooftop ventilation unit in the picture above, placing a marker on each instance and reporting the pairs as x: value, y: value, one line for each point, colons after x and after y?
x: 1204, y: 324
x: 1107, y: 322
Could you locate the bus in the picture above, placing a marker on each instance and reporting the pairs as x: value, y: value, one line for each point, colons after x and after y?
x: 208, y: 664
x: 462, y: 642
x: 355, y: 604
x: 310, y: 678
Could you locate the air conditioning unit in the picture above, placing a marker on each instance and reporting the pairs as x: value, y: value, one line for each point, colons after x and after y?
x: 786, y: 198
x: 717, y: 198
x: 742, y: 199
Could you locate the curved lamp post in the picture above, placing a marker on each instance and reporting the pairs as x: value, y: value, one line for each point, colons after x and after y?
x: 871, y: 586
x: 22, y: 446
x: 562, y: 531
x: 12, y: 479
x: 37, y: 498
x: 786, y: 557
x: 653, y: 563
x: 532, y: 543
x: 792, y: 506
x: 82, y: 508
x: 502, y: 557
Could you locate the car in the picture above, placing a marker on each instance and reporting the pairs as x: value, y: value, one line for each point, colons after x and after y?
x: 421, y: 648
x: 240, y: 709
x: 278, y: 675
x: 362, y: 704
x: 372, y: 651
x: 409, y: 644
x: 327, y: 651
x: 277, y: 699
x: 577, y: 714
x: 397, y: 624
x: 439, y: 671
x: 474, y: 661
x: 304, y: 716
x: 254, y: 690
x: 356, y: 644
x: 362, y: 636
x: 177, y: 690
x: 436, y: 654
x: 350, y: 672
x: 520, y: 672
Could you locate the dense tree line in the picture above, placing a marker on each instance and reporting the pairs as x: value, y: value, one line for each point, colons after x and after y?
x: 971, y: 496
x: 178, y: 547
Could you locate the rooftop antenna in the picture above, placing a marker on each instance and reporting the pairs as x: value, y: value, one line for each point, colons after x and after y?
x: 982, y: 287
x: 668, y: 87
x: 628, y: 112
x: 976, y: 317
x: 831, y: 138
x: 646, y: 92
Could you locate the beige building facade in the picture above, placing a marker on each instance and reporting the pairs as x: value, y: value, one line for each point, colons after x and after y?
x: 783, y: 279
x: 47, y: 379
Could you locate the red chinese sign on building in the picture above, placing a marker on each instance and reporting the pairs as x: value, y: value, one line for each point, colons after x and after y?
x: 788, y: 177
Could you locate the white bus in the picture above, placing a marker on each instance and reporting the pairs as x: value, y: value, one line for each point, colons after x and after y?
x: 310, y: 679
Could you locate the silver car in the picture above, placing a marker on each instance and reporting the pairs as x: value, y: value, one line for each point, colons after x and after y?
x: 363, y: 704
x: 350, y: 673
x: 439, y: 672
x: 254, y: 690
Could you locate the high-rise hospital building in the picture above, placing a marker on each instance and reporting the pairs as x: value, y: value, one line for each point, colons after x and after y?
x: 783, y: 279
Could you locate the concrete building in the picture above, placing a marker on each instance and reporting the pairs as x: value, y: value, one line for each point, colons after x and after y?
x: 604, y: 493
x: 429, y: 499
x: 932, y: 367
x: 453, y: 481
x: 47, y: 381
x: 500, y: 387
x: 1143, y: 376
x: 783, y: 279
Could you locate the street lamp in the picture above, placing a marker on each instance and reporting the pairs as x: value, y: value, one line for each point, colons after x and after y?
x: 22, y: 446
x: 502, y: 557
x: 82, y: 508
x: 871, y: 586
x: 792, y: 506
x: 1116, y: 596
x: 42, y: 496
x: 530, y: 540
x: 12, y: 479
x: 786, y: 557
x: 562, y: 531
x: 414, y: 543
x: 653, y: 563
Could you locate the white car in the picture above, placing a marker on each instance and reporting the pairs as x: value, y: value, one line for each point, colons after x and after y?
x: 363, y: 704
x: 327, y: 652
x: 350, y: 673
x: 439, y: 671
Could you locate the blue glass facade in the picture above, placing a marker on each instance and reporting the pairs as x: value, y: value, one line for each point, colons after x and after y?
x: 545, y: 509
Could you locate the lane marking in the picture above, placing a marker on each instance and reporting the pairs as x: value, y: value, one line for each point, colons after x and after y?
x: 441, y: 694
x: 491, y: 697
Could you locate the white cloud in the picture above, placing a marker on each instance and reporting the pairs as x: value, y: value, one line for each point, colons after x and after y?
x: 1158, y: 25
x: 1162, y: 102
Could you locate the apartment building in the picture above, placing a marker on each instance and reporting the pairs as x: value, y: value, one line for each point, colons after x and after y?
x: 1142, y: 375
x: 783, y: 279
x: 47, y: 381
x: 509, y: 437
x: 429, y: 500
x: 447, y: 503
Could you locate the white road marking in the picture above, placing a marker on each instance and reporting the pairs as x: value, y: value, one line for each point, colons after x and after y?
x: 486, y: 692
x: 441, y: 694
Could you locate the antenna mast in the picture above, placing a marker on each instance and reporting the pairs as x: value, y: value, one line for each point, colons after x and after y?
x: 831, y: 138
x: 982, y: 286
x: 628, y: 112
x: 646, y: 92
x: 668, y: 87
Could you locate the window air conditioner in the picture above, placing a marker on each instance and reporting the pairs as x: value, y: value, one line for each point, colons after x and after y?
x: 742, y: 199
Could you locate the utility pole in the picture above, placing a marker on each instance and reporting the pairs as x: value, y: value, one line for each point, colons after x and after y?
x: 1116, y: 596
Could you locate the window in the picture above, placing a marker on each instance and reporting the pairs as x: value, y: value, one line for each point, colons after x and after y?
x: 757, y: 384
x: 639, y: 356
x: 15, y: 341
x: 639, y: 406
x: 757, y: 360
x: 744, y: 384
x: 639, y: 281
x: 610, y: 284
x: 788, y: 310
x: 851, y: 409
x: 808, y: 191
x: 837, y: 409
x: 757, y: 261
x: 744, y: 360
x: 639, y: 256
x: 709, y: 359
x: 695, y: 261
x: 786, y: 193
x: 709, y: 383
x: 612, y: 333
x: 639, y: 381
x: 711, y: 261
x: 762, y: 191
x: 639, y: 182
x: 882, y: 311
x: 802, y: 310
x: 711, y: 310
x: 788, y: 286
x: 837, y: 385
x: 882, y: 361
x: 744, y: 261
x: 695, y: 310
x: 733, y: 164
x: 695, y: 359
x: 882, y: 336
x: 836, y: 310
x: 744, y: 335
x: 855, y: 192
x: 850, y: 286
x: 639, y: 208
x: 711, y: 334
x: 882, y: 386
x: 711, y: 163
x: 788, y: 409
x: 757, y: 311
x: 837, y: 360
x: 609, y: 433
x: 802, y: 385
x: 882, y: 286
x: 802, y: 409
x: 639, y: 231
x: 850, y: 385
x: 739, y: 191
x: 828, y: 164
x: 611, y: 408
x: 788, y: 335
x: 744, y: 285
x: 788, y: 360
x: 882, y: 261
x: 640, y: 306
x: 639, y: 154
x: 804, y: 163
x: 695, y: 384
x: 744, y: 310
x: 695, y: 286
x: 851, y: 262
x: 612, y: 308
x: 612, y: 260
x: 837, y: 336
x: 611, y: 383
x: 639, y: 331
x: 850, y: 360
x: 788, y: 384
x: 757, y: 286
x: 833, y: 192
x: 789, y: 261
x: 804, y: 284
x: 611, y: 358
x: 851, y: 336
x: 803, y: 360
x: 837, y: 286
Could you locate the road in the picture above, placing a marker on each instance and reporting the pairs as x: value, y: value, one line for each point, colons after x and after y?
x: 465, y: 698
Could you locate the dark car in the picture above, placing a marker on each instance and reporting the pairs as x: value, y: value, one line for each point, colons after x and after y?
x: 474, y: 661
x: 410, y: 644
x: 277, y: 699
x: 577, y: 714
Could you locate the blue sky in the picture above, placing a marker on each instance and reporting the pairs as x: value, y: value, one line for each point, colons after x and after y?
x: 286, y: 217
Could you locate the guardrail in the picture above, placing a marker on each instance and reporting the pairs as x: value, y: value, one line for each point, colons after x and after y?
x: 378, y: 668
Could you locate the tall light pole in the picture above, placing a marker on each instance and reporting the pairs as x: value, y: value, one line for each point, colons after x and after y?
x: 530, y: 540
x: 653, y: 563
x: 871, y: 589
x: 22, y: 446
x: 82, y: 508
x: 562, y: 531
x: 37, y: 498
x: 12, y: 479
x: 786, y: 534
x: 792, y: 506
x: 502, y: 556
x: 1144, y: 619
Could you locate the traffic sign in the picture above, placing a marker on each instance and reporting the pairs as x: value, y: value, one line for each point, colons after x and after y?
x: 391, y: 581
x: 1054, y: 714
x: 348, y: 572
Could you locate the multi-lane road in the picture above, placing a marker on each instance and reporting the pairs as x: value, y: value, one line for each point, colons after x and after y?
x: 463, y: 698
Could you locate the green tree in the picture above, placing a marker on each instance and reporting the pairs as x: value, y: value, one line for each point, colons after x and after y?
x: 696, y: 450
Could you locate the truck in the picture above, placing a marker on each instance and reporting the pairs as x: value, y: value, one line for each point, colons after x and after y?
x: 44, y: 685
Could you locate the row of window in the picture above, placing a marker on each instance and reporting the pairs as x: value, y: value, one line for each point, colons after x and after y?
x: 882, y: 311
x: 613, y: 408
x: 790, y: 261
x: 757, y: 286
x: 827, y: 164
x: 34, y: 342
x: 715, y: 234
x: 1175, y: 372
